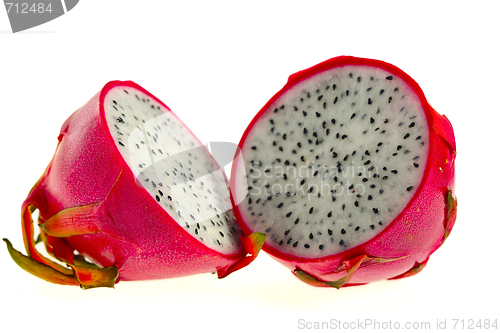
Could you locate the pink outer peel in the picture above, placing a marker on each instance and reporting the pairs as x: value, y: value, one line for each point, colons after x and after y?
x: 403, y: 248
x: 90, y: 201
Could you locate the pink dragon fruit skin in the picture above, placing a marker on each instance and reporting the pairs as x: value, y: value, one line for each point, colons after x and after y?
x: 403, y: 248
x: 90, y: 201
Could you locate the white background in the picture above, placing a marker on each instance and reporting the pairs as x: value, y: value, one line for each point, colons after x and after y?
x: 215, y: 64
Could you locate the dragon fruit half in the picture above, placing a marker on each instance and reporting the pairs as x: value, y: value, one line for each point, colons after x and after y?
x: 131, y: 194
x: 350, y: 173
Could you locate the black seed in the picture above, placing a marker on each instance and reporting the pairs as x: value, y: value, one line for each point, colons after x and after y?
x: 353, y: 115
x: 335, y: 100
x: 281, y: 242
x: 297, y: 221
x: 389, y: 77
x: 305, y: 130
x: 295, y: 244
x: 121, y: 143
x: 329, y: 214
x: 284, y: 136
x: 415, y: 165
x: 271, y: 121
x: 412, y: 124
x: 357, y: 228
x: 409, y: 188
x: 157, y: 198
x: 372, y: 226
x: 389, y: 99
x: 370, y: 197
x: 342, y: 231
x: 287, y: 232
x: 344, y: 136
x: 318, y: 114
x: 394, y: 171
x: 304, y: 113
x: 369, y: 101
x: 334, y: 199
x: 249, y: 201
x: 254, y: 148
x: 320, y: 246
x: 302, y: 182
x: 375, y: 210
x: 407, y: 135
x: 367, y: 162
x: 280, y: 205
x: 311, y: 236
x: 333, y: 121
x: 341, y: 242
x: 399, y: 147
x: 306, y: 246
x: 311, y: 210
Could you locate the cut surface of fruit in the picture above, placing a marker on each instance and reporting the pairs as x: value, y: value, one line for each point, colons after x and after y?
x: 333, y: 161
x: 173, y: 166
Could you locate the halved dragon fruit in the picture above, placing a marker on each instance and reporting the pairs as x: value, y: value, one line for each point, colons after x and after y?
x: 350, y: 173
x: 134, y: 192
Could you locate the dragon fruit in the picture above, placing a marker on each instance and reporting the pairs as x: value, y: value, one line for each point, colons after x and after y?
x: 350, y: 173
x: 131, y: 194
